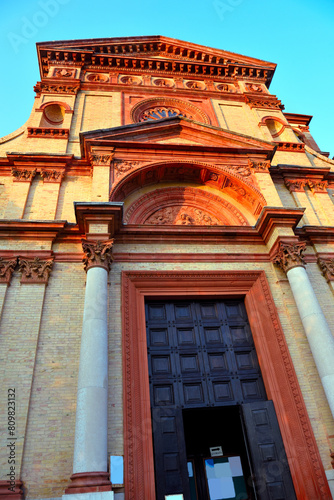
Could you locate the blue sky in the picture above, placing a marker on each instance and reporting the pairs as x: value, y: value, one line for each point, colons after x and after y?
x: 295, y: 34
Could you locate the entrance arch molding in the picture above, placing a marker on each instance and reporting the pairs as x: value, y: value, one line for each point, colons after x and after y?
x: 274, y: 358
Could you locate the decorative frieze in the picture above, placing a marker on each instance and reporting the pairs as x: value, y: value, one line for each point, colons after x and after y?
x: 6, y: 269
x: 35, y: 270
x: 259, y: 166
x: 50, y: 88
x: 52, y: 176
x: 291, y: 147
x: 257, y: 102
x: 23, y: 174
x: 290, y: 255
x: 97, y: 254
x: 327, y: 268
x: 47, y: 133
x: 64, y: 73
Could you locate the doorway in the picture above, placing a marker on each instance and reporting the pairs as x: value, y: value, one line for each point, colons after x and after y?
x: 217, y: 458
x: 203, y: 367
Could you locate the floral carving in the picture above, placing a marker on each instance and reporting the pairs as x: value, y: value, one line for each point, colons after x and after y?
x: 6, y: 269
x: 52, y: 175
x: 23, y: 175
x: 290, y: 255
x: 97, y: 254
x: 318, y: 186
x: 295, y: 185
x: 242, y: 192
x: 101, y: 159
x: 327, y: 268
x: 182, y: 215
x: 242, y: 170
x: 35, y: 270
x: 259, y: 166
x: 122, y: 166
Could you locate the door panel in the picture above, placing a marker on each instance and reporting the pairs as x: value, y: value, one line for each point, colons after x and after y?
x: 170, y: 453
x: 270, y: 466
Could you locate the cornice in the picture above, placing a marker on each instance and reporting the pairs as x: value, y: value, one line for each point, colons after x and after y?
x: 316, y: 234
x: 30, y: 230
x: 152, y: 53
x: 41, y: 162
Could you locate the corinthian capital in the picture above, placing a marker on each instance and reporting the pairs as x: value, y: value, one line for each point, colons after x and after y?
x: 327, y: 268
x: 290, y: 255
x: 97, y: 254
x: 6, y: 269
x: 35, y: 270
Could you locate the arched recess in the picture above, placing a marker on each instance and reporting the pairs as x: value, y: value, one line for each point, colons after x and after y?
x: 165, y: 107
x: 237, y: 181
x: 53, y: 113
x: 275, y: 125
x: 183, y: 206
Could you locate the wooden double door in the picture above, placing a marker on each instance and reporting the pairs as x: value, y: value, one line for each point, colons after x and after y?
x: 215, y: 434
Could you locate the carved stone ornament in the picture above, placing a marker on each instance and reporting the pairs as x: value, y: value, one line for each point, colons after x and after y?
x: 182, y: 215
x: 164, y: 82
x: 327, y: 268
x: 97, y: 254
x: 6, y: 269
x: 48, y: 132
x: 122, y: 166
x: 97, y: 77
x: 100, y: 159
x: 294, y: 147
x: 318, y: 186
x: 64, y: 73
x: 290, y: 255
x: 35, y: 270
x: 295, y: 185
x: 259, y: 166
x: 47, y: 88
x: 253, y: 87
x: 159, y: 112
x: 23, y: 175
x: 55, y: 176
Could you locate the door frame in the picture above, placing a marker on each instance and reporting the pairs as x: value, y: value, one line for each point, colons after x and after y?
x: 277, y: 369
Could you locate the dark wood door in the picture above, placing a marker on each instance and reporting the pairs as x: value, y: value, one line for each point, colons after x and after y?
x: 200, y: 355
x: 271, y: 471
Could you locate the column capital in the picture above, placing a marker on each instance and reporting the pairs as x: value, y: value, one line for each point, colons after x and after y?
x: 97, y: 254
x: 35, y: 270
x: 7, y: 267
x: 327, y: 268
x: 290, y: 255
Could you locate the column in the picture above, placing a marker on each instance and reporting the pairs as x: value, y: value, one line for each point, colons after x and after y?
x: 320, y: 338
x: 90, y: 463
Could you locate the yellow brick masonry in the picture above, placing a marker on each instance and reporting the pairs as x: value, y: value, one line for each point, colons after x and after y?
x: 19, y: 328
x: 13, y: 198
x: 42, y: 200
x: 48, y: 453
x: 72, y: 189
x: 3, y: 290
x: 315, y: 400
x: 101, y: 183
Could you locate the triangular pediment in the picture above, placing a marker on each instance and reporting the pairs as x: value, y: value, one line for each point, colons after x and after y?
x: 103, y: 52
x: 177, y: 131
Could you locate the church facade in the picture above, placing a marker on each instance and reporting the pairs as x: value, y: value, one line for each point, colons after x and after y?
x: 166, y: 281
